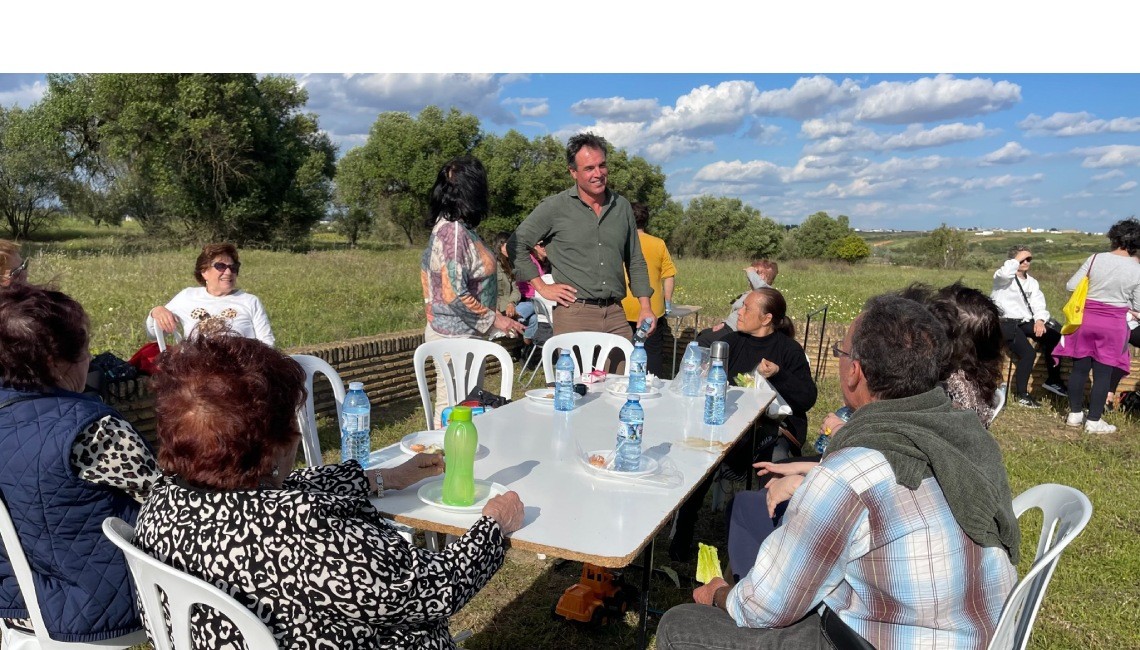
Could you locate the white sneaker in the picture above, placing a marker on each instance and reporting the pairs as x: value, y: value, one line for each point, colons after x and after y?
x: 1075, y: 419
x: 1099, y: 426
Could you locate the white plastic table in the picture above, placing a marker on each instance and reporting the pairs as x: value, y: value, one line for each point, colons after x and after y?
x: 570, y: 512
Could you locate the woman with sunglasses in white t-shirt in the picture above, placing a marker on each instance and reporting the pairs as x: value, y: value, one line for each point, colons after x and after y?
x: 217, y: 304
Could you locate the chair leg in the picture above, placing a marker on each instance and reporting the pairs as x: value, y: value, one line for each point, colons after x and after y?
x: 522, y: 368
x: 536, y: 368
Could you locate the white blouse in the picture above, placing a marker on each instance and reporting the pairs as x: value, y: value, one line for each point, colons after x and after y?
x: 241, y: 312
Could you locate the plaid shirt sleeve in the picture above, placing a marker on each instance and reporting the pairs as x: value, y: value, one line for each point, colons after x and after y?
x: 803, y: 560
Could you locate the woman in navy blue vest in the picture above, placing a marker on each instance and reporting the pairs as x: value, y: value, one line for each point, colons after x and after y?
x: 67, y: 462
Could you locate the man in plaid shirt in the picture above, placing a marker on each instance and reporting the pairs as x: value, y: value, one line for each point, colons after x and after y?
x: 902, y: 537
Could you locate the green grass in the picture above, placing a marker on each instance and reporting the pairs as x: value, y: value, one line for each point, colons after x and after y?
x: 333, y: 293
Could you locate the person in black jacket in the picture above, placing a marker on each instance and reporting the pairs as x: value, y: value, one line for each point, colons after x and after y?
x: 764, y: 342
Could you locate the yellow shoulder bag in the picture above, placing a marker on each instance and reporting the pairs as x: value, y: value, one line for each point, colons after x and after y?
x: 1074, y: 310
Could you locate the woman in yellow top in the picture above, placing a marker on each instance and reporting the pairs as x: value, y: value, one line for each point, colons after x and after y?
x: 661, y: 274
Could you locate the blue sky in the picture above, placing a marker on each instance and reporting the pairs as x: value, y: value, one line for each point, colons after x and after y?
x: 890, y: 151
x: 891, y: 143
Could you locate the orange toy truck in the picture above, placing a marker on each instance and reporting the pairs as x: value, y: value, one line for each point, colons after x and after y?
x: 597, y: 598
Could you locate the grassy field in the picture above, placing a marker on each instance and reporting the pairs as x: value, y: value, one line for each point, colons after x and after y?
x: 333, y: 293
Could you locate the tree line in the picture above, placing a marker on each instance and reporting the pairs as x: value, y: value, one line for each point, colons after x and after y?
x: 197, y: 157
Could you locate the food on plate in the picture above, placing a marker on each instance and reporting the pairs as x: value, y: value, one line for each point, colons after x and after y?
x: 745, y: 380
x: 597, y: 460
x: 426, y: 449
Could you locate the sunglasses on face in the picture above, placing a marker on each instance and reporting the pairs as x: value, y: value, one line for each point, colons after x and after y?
x: 1027, y: 260
x: 221, y: 267
x: 19, y: 270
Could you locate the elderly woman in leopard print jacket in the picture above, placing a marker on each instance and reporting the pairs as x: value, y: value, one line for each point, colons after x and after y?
x: 304, y: 550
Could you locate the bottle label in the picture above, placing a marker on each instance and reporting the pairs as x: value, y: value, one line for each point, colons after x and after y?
x: 637, y: 368
x: 563, y: 376
x: 354, y: 422
x: 629, y: 432
x: 714, y: 389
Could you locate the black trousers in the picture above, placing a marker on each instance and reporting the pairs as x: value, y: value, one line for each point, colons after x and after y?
x: 655, y: 346
x: 1017, y: 337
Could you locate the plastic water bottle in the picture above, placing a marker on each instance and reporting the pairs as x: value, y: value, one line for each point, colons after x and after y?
x: 716, y: 385
x: 638, y: 361
x: 564, y: 382
x: 631, y: 425
x: 691, y: 370
x: 642, y: 332
x: 459, y: 444
x: 355, y: 425
x: 843, y: 413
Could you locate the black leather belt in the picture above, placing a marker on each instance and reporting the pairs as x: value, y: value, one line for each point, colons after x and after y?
x: 598, y: 302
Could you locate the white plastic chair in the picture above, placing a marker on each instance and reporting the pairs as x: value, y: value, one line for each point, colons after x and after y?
x: 160, y: 337
x: 306, y: 415
x: 1065, y: 512
x: 593, y: 348
x: 183, y: 591
x: 460, y: 361
x: 14, y: 639
x: 999, y: 400
x: 544, y: 314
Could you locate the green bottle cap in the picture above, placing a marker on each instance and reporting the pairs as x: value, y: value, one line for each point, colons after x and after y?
x: 460, y: 413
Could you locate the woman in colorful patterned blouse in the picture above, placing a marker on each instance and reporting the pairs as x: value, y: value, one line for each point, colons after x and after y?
x: 458, y: 270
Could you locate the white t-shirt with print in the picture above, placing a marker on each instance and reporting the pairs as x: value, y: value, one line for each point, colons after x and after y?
x: 241, y: 312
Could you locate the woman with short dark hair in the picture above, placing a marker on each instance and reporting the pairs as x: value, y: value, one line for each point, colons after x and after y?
x: 458, y: 270
x: 67, y: 462
x: 217, y: 304
x: 303, y: 549
x: 1100, y: 344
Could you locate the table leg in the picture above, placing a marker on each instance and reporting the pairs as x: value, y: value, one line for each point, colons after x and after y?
x: 643, y: 606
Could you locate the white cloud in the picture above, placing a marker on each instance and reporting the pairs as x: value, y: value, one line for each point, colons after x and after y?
x: 626, y: 135
x: 1109, y: 175
x: 671, y: 147
x: 896, y: 165
x: 1028, y: 202
x: 1010, y: 153
x: 706, y: 110
x: 1083, y: 194
x: 766, y: 134
x: 954, y: 186
x: 1073, y: 124
x: 914, y: 137
x: 928, y: 99
x: 1113, y: 155
x: 616, y: 109
x: 23, y: 95
x: 821, y: 168
x: 348, y: 104
x: 534, y: 110
x: 858, y: 188
x: 753, y: 171
x: 808, y: 97
x: 815, y: 129
x: 1126, y: 187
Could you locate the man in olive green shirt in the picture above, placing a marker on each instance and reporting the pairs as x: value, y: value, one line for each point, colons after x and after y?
x: 591, y: 242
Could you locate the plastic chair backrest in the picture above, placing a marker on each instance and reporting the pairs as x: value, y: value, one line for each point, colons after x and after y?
x: 183, y: 591
x: 1065, y: 512
x: 306, y: 415
x: 19, y: 640
x: 160, y: 337
x: 583, y: 346
x: 999, y: 400
x: 460, y: 370
x: 543, y: 309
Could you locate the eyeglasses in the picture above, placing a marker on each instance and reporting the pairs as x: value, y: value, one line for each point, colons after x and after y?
x: 1027, y: 260
x: 837, y: 352
x: 19, y: 270
x: 221, y: 267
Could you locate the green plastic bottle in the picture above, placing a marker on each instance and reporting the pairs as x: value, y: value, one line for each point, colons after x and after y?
x: 459, y: 445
